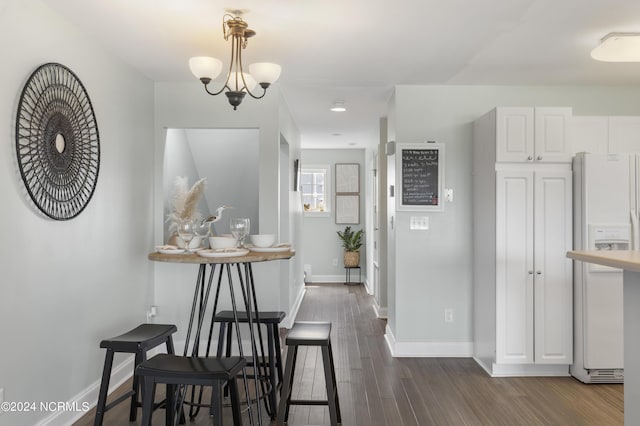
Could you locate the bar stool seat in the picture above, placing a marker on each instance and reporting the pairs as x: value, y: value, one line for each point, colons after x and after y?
x: 175, y: 370
x: 272, y: 320
x: 136, y: 341
x: 310, y: 333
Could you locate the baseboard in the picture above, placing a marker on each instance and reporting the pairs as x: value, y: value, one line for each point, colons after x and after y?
x: 88, y: 398
x: 529, y: 370
x: 368, y: 287
x: 325, y: 279
x: 427, y: 349
x: 290, y: 319
x: 382, y: 313
x: 522, y: 370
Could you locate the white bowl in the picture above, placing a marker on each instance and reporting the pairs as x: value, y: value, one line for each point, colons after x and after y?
x: 263, y: 240
x: 221, y: 242
x: 193, y: 244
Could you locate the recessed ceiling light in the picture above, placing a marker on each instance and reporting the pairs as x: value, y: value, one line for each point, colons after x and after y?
x: 338, y: 106
x: 618, y: 47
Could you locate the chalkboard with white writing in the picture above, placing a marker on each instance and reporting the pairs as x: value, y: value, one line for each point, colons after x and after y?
x: 421, y: 176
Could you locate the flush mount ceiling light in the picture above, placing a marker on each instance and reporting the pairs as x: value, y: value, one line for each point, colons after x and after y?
x: 338, y: 106
x: 238, y: 82
x: 618, y: 47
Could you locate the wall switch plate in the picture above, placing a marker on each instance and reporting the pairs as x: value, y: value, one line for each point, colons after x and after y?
x: 448, y: 315
x: 448, y: 194
x: 419, y: 223
x: 335, y: 262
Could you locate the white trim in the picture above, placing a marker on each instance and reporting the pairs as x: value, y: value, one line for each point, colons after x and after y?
x: 368, y: 287
x: 289, y: 319
x: 427, y: 349
x: 119, y: 374
x: 524, y: 370
x: 326, y: 279
x: 89, y: 396
x: 382, y: 313
x: 319, y: 279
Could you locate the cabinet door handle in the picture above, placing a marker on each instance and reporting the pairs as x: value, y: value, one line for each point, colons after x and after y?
x: 529, y: 158
x: 530, y: 272
x: 539, y: 272
x: 539, y: 158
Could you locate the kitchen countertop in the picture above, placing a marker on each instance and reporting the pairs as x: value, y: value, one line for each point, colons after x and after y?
x: 623, y: 259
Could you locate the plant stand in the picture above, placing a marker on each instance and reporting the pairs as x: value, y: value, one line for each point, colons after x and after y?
x: 347, y: 279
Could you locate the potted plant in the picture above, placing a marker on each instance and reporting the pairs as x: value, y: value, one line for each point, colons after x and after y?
x: 351, y: 243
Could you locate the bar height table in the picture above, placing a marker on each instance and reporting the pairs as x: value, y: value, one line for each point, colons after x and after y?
x: 222, y: 266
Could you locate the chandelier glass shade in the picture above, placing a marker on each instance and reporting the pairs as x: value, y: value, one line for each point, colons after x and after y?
x: 238, y: 82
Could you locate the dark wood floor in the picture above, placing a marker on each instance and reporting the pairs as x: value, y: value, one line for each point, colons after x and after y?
x: 376, y: 389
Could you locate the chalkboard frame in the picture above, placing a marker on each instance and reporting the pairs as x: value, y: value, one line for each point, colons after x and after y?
x: 439, y: 205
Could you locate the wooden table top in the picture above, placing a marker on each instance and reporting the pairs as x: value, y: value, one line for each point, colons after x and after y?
x: 197, y: 259
x: 623, y: 259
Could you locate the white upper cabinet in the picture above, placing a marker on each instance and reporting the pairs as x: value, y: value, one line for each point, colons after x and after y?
x: 605, y: 134
x: 624, y: 134
x: 527, y: 134
x: 514, y: 134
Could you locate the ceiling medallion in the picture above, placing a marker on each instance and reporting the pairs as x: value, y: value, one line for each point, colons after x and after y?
x: 57, y: 142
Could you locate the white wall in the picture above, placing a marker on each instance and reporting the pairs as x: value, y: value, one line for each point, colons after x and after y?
x: 179, y: 161
x: 228, y: 159
x: 321, y: 245
x: 433, y: 269
x: 67, y: 285
x: 186, y: 105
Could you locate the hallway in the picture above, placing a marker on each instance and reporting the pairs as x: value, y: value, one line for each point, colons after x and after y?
x: 376, y: 389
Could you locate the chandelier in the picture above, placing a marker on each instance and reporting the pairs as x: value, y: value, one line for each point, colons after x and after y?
x: 238, y: 83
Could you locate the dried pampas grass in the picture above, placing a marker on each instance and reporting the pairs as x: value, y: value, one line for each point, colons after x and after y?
x: 189, y: 210
x: 185, y: 200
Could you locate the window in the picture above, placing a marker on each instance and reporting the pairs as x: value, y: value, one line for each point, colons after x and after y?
x: 316, y: 185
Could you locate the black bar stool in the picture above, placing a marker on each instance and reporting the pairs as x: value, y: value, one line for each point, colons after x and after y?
x: 310, y: 333
x: 272, y: 320
x: 137, y: 341
x: 175, y: 370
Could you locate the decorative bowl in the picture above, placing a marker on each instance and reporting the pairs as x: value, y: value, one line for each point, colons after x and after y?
x: 263, y: 240
x: 221, y: 242
x: 193, y: 244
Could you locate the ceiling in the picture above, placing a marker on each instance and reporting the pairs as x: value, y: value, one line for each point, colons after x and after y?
x: 357, y: 50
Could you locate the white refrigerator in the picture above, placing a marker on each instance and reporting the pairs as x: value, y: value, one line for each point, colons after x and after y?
x: 605, y: 212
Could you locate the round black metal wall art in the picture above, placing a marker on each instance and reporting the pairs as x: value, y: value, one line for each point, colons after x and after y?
x: 57, y: 142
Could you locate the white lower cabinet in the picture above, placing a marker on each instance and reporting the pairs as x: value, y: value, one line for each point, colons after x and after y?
x: 533, y: 275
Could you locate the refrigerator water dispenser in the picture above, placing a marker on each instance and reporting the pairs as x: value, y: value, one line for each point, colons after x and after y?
x: 608, y: 237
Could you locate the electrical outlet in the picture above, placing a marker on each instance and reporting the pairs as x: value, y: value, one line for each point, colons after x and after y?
x: 151, y: 313
x: 335, y: 261
x: 448, y: 315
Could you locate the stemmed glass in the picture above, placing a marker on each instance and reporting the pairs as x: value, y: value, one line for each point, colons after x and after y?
x: 240, y: 229
x: 186, y: 232
x: 201, y: 229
